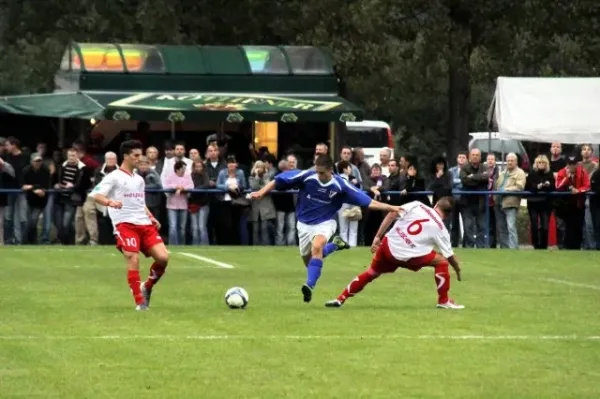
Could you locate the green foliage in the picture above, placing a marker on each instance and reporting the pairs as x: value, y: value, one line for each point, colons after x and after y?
x: 429, y: 67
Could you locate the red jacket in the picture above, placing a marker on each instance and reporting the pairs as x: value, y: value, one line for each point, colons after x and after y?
x: 581, y: 181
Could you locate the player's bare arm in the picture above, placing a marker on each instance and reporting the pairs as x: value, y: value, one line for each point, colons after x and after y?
x: 105, y: 201
x: 454, y: 263
x: 380, y: 206
x: 154, y: 221
x: 263, y: 191
x: 383, y: 228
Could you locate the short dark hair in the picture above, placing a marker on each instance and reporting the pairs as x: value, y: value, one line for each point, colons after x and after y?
x: 463, y: 152
x: 446, y: 205
x: 324, y: 161
x: 231, y: 159
x: 128, y: 146
x: 178, y: 165
x: 79, y: 145
x: 181, y: 143
x: 342, y: 165
x: 13, y: 141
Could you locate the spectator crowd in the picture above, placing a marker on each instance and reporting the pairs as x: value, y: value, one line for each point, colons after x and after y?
x: 225, y: 216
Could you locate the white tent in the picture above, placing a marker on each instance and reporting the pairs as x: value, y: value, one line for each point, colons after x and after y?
x: 566, y: 110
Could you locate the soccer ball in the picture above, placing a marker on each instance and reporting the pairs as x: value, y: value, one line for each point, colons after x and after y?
x: 236, y: 298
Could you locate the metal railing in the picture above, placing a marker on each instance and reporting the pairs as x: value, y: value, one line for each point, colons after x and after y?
x: 455, y: 193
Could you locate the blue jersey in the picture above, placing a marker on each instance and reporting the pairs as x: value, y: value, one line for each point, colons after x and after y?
x: 319, y: 202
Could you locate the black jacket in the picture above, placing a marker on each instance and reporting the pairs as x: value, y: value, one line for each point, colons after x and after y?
x: 201, y: 181
x: 414, y: 184
x: 83, y: 182
x: 474, y: 179
x: 19, y: 163
x: 39, y: 179
x: 395, y: 182
x: 441, y: 186
x: 595, y: 188
x: 533, y: 179
x: 284, y: 202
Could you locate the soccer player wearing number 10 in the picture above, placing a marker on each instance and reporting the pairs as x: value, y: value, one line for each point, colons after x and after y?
x: 136, y: 230
x: 321, y: 195
x: 409, y: 245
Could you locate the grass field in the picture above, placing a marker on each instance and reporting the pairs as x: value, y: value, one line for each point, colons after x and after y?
x: 531, y: 328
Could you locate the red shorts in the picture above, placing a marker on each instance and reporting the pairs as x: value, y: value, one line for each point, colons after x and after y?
x: 384, y: 261
x: 136, y: 238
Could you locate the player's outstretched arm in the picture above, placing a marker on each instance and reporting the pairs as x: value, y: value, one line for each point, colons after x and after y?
x: 263, y: 191
x: 380, y: 206
x: 454, y: 263
x: 105, y: 201
x: 383, y: 228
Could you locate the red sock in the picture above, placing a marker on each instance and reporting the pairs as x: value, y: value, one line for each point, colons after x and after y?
x: 156, y: 272
x: 358, y: 284
x: 133, y: 278
x: 442, y: 281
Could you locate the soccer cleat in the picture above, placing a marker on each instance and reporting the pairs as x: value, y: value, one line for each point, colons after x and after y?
x: 340, y: 243
x: 307, y: 292
x: 147, y: 293
x: 141, y: 307
x: 335, y: 303
x: 450, y: 305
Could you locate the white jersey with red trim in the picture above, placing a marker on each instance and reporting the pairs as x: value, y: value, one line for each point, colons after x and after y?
x: 128, y: 188
x: 417, y: 231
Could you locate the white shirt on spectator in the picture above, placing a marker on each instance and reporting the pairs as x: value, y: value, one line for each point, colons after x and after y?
x: 169, y: 166
x: 230, y: 182
x: 385, y: 171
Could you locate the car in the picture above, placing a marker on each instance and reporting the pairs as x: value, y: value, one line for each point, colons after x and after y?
x: 371, y: 136
x: 500, y: 147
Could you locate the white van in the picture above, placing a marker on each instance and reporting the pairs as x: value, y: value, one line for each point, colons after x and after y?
x: 371, y: 136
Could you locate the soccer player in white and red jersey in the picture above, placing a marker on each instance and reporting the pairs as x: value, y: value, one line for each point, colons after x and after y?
x: 410, y: 245
x: 136, y: 230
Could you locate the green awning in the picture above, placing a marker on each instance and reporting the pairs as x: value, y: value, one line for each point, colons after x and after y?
x: 179, y: 107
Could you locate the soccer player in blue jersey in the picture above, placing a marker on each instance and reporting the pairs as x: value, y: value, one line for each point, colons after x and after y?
x: 321, y: 195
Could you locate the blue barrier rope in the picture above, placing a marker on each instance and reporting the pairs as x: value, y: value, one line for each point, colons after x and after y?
x: 217, y: 191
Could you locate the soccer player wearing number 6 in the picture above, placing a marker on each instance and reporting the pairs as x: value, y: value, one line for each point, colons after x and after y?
x: 409, y: 245
x: 136, y: 230
x: 320, y: 196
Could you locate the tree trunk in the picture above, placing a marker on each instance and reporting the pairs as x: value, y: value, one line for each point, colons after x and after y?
x: 459, y: 82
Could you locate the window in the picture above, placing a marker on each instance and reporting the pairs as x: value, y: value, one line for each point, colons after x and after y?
x: 366, y: 137
x: 142, y: 58
x: 99, y: 58
x: 70, y: 60
x: 266, y: 60
x: 307, y: 60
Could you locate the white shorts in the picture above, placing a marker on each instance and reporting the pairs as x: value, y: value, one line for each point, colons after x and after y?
x: 307, y: 233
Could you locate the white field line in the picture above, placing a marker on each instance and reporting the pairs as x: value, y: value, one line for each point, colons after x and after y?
x: 572, y: 284
x: 301, y: 337
x: 207, y: 260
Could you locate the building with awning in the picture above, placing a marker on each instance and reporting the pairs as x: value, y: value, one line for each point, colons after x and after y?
x: 223, y: 84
